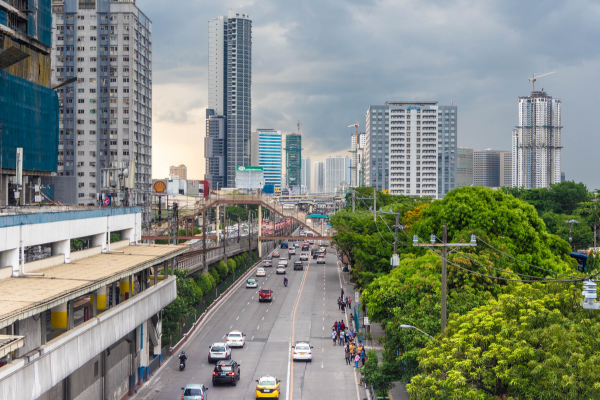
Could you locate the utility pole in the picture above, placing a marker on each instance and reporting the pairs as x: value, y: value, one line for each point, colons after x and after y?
x: 204, y: 213
x: 374, y: 205
x: 444, y: 245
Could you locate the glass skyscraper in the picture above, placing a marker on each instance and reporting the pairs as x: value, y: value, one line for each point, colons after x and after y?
x: 266, y: 153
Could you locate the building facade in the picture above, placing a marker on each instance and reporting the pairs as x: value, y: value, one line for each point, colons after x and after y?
x: 537, y: 142
x: 447, y: 149
x: 305, y: 173
x: 106, y: 115
x: 229, y: 87
x: 376, y: 152
x: 337, y: 174
x: 266, y: 153
x: 464, y: 167
x: 413, y: 148
x: 293, y: 153
x: 506, y: 169
x: 318, y: 178
x: 180, y: 171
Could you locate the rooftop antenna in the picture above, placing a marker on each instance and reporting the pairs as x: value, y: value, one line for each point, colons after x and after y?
x: 535, y: 78
x: 299, y: 126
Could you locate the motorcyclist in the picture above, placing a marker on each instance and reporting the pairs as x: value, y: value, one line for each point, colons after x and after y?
x: 285, y: 281
x: 289, y: 256
x: 182, y: 358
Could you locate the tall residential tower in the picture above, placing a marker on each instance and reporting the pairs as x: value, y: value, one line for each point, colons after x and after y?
x: 266, y: 153
x: 229, y: 95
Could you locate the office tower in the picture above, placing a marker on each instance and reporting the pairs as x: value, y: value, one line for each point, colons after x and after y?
x: 293, y: 152
x: 229, y: 87
x: 537, y: 142
x: 490, y: 168
x: 337, y: 174
x: 318, y: 180
x: 29, y: 108
x: 214, y: 150
x: 377, y: 147
x: 106, y: 116
x: 266, y: 153
x: 562, y: 177
x: 464, y: 167
x: 180, y: 171
x: 413, y: 148
x: 305, y: 176
x: 447, y: 148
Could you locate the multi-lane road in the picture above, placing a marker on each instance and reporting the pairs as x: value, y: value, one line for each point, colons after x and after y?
x: 305, y: 310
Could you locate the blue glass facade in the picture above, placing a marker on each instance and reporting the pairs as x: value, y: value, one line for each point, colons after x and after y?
x: 269, y: 156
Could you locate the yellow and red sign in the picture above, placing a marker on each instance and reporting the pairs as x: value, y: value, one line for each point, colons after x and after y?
x: 160, y: 187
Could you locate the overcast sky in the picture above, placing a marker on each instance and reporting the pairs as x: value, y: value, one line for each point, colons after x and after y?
x: 324, y: 62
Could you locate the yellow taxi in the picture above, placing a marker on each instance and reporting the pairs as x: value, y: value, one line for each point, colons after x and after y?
x: 267, y: 387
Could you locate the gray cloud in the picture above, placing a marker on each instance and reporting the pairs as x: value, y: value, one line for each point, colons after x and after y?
x: 324, y: 62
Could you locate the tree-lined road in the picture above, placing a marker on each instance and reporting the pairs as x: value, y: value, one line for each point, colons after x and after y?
x: 304, y: 310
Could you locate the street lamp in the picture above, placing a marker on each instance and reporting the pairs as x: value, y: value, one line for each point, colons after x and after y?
x: 571, y: 222
x: 414, y: 327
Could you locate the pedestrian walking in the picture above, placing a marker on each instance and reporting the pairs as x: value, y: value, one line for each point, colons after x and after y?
x: 356, y: 360
x: 339, y: 304
x: 342, y: 296
x: 363, y: 356
x: 333, y: 335
x: 341, y: 337
x: 347, y: 334
x: 343, y: 325
x: 343, y: 307
x: 348, y: 355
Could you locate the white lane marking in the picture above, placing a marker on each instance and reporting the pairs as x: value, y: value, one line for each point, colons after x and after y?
x: 231, y: 327
x: 287, y: 387
x: 252, y: 338
x: 244, y: 309
x: 252, y: 299
x: 322, y: 350
x: 238, y: 317
x: 263, y: 319
x: 248, y: 303
x: 267, y: 310
x: 322, y: 367
x: 257, y: 327
x: 202, y: 365
x: 223, y: 337
x: 323, y: 328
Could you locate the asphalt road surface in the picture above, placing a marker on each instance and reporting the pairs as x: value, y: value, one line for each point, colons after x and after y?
x: 304, y: 310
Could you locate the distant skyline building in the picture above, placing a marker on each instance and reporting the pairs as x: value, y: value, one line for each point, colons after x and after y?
x: 447, y: 148
x: 464, y: 167
x: 487, y: 168
x: 266, y: 153
x: 318, y: 178
x: 357, y: 146
x: 337, y: 174
x: 293, y: 153
x: 229, y: 91
x: 414, y: 148
x: 536, y: 142
x: 180, y: 171
x: 214, y: 150
x: 305, y: 175
x: 377, y: 147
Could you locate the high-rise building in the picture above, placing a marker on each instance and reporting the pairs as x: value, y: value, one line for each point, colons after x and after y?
x: 562, y: 177
x: 413, y: 148
x: 29, y: 108
x: 490, y: 168
x: 357, y: 147
x: 318, y: 178
x: 464, y: 167
x: 229, y: 88
x: 266, y: 153
x: 214, y: 150
x: 305, y: 176
x: 106, y: 116
x: 377, y: 147
x: 293, y: 153
x: 537, y: 142
x: 337, y: 174
x: 505, y: 169
x: 447, y: 149
x: 180, y: 171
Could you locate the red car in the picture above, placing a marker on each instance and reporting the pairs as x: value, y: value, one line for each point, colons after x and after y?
x: 265, y: 295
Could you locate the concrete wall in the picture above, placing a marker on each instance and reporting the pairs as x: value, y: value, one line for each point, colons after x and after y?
x: 71, y: 351
x: 86, y: 382
x: 31, y: 328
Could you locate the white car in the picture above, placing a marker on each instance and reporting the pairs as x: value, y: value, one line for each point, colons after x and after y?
x: 304, y: 257
x: 219, y: 351
x: 321, y: 260
x: 283, y: 262
x: 280, y: 269
x: 296, y: 244
x: 302, y: 351
x: 251, y: 283
x: 261, y: 272
x: 236, y: 339
x: 292, y: 251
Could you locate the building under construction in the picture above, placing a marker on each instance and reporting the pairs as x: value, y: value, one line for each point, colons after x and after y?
x: 29, y: 106
x: 293, y: 152
x: 536, y: 142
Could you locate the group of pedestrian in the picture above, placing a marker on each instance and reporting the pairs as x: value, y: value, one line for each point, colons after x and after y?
x: 340, y: 333
x: 356, y: 353
x: 343, y: 302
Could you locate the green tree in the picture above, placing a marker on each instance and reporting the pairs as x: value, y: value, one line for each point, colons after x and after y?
x: 532, y: 343
x: 583, y: 236
x: 560, y: 198
x: 77, y: 244
x: 215, y: 275
x: 380, y: 376
x: 222, y: 269
x: 188, y: 294
x: 231, y: 265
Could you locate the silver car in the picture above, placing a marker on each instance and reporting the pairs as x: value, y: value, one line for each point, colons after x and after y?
x: 219, y: 351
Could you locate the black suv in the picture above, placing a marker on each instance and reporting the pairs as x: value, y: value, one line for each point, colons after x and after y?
x: 298, y: 265
x: 226, y: 371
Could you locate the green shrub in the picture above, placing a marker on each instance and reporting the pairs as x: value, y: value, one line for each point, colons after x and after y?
x: 211, y: 281
x: 231, y: 265
x: 215, y: 275
x: 222, y: 269
x: 204, y: 282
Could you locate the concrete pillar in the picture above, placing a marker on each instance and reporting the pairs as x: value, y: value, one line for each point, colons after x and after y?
x: 259, y: 230
x: 71, y: 315
x: 128, y: 234
x: 101, y: 301
x: 94, y: 303
x: 62, y: 247
x: 58, y: 317
x: 124, y: 287
x: 10, y: 258
x: 218, y: 222
x: 99, y: 240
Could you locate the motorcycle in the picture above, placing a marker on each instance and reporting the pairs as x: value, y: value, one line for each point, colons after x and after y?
x: 285, y: 282
x: 181, y: 365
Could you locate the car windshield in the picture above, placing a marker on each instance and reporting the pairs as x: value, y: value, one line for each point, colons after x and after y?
x: 267, y: 381
x: 235, y: 335
x: 192, y: 392
x: 224, y: 368
x: 260, y: 270
x: 264, y: 291
x: 218, y: 348
x: 302, y: 347
x: 251, y: 280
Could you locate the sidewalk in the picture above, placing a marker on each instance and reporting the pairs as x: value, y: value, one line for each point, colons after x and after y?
x: 399, y: 391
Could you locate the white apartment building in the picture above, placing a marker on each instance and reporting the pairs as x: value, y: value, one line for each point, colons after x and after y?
x: 336, y: 173
x: 536, y: 143
x: 413, y: 149
x: 106, y: 115
x: 318, y: 177
x: 305, y: 174
x: 357, y: 146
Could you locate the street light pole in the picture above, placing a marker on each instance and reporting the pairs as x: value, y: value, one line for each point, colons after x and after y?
x: 414, y: 327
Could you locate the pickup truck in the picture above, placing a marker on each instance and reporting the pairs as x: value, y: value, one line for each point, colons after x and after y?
x: 265, y: 295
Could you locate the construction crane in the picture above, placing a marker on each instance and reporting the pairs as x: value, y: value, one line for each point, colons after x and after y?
x: 535, y: 78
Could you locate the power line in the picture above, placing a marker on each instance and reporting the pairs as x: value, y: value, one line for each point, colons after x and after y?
x: 377, y: 226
